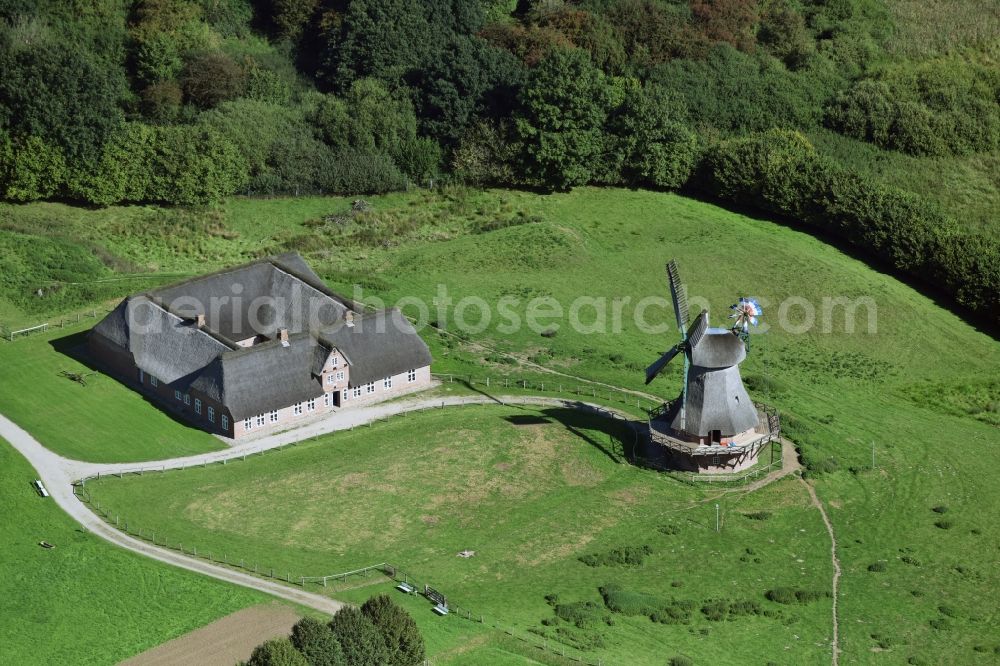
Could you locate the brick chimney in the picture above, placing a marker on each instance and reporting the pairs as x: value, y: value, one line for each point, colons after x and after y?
x: 200, y: 320
x: 349, y: 318
x: 283, y: 336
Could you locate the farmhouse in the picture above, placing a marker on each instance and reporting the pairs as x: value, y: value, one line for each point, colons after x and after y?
x: 258, y: 347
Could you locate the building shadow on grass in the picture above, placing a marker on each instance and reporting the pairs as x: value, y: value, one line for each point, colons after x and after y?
x: 74, y: 346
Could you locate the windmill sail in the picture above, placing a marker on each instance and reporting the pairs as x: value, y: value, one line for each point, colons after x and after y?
x: 661, y: 363
x: 678, y: 293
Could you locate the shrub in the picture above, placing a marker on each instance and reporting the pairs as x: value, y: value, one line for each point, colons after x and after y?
x: 402, y: 638
x: 351, y: 172
x: 791, y: 595
x: 949, y: 611
x: 681, y: 660
x: 276, y: 652
x: 944, y: 524
x: 940, y: 508
x: 582, y: 614
x: 940, y: 623
x: 718, y: 610
x: 627, y: 556
x: 758, y: 515
x: 317, y: 643
x: 630, y: 602
x: 877, y: 567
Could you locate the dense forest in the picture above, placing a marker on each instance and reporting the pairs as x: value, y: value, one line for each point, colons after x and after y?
x: 840, y: 115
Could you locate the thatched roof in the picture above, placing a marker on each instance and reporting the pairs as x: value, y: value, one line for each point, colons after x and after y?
x: 379, y: 344
x: 159, y: 329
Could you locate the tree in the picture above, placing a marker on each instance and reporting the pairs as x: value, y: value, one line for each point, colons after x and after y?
x: 317, y: 643
x: 468, y: 79
x: 277, y: 652
x: 591, y: 32
x: 291, y: 16
x: 61, y: 94
x: 564, y: 106
x: 212, y: 78
x: 367, y: 118
x: 783, y: 33
x: 379, y: 39
x: 360, y: 639
x: 656, y: 149
x: 402, y: 638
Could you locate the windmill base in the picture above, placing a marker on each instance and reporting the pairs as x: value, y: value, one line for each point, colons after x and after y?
x: 668, y: 449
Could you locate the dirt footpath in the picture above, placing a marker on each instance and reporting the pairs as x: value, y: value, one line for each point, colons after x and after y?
x: 224, y: 642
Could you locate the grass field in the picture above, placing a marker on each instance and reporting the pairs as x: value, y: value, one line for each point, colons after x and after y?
x: 530, y: 492
x: 85, y: 601
x: 103, y: 421
x: 922, y: 385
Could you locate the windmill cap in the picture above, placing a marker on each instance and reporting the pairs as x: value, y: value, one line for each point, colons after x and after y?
x: 718, y: 348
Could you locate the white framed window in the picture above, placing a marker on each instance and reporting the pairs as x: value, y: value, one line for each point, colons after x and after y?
x: 177, y: 394
x: 311, y: 405
x: 387, y: 383
x: 153, y: 381
x: 248, y: 424
x: 197, y: 406
x: 330, y: 379
x: 225, y: 423
x: 187, y: 398
x: 260, y: 420
x: 211, y: 414
x: 334, y: 361
x: 346, y: 395
x: 357, y: 391
x: 411, y: 376
x: 340, y: 376
x: 297, y: 409
x: 273, y: 416
x: 327, y: 399
x: 370, y: 387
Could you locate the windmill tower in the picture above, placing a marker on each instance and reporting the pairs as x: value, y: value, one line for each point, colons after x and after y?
x: 713, y: 425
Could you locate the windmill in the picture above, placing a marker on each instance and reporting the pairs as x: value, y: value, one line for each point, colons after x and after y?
x: 713, y: 402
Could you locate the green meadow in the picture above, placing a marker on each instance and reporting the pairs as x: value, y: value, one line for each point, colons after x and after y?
x: 85, y: 601
x: 911, y: 379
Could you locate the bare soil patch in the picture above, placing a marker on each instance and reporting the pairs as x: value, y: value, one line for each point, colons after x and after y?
x: 223, y: 642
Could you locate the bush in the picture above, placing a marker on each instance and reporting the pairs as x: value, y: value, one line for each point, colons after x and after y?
x: 758, y: 515
x: 681, y: 660
x: 944, y: 524
x: 940, y: 508
x: 718, y: 610
x: 792, y: 595
x: 877, y: 567
x: 317, y: 643
x: 402, y: 638
x: 627, y: 556
x: 350, y: 172
x: 629, y: 602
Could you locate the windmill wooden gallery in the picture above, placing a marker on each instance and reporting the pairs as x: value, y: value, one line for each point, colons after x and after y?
x: 712, y: 426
